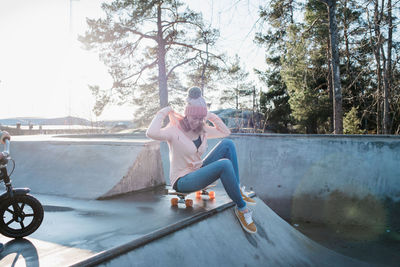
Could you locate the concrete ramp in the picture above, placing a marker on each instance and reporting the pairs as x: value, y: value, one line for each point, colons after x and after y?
x: 331, y: 179
x: 218, y: 240
x: 85, y: 168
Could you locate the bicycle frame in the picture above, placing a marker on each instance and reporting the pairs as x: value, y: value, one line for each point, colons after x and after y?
x: 10, y: 192
x: 15, y: 202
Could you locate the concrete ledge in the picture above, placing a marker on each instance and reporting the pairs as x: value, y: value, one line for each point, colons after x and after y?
x: 335, y: 136
x: 146, y: 172
x: 86, y: 168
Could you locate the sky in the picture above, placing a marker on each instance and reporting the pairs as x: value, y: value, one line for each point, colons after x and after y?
x: 45, y: 72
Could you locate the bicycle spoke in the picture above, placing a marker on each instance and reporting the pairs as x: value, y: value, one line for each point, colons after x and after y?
x: 29, y: 215
x: 22, y: 225
x: 22, y: 206
x: 12, y: 220
x: 10, y: 211
x: 16, y: 208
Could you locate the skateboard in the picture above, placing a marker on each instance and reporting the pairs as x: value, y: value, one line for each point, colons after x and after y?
x: 189, y: 202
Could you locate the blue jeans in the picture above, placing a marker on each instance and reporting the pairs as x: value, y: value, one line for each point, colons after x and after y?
x: 220, y: 163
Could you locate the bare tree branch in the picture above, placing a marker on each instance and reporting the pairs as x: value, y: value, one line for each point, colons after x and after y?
x: 171, y: 24
x: 139, y: 33
x: 311, y: 26
x: 180, y: 64
x: 192, y: 47
x: 141, y: 70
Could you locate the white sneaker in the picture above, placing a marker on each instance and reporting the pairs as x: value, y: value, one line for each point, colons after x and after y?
x: 247, y: 199
x: 246, y: 220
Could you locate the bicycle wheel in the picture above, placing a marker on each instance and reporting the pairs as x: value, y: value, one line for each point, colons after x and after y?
x: 20, y: 216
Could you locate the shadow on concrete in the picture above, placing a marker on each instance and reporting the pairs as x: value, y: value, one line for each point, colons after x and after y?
x: 20, y: 248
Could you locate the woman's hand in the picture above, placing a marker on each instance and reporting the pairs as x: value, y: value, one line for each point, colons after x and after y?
x: 166, y: 110
x: 209, y: 116
x: 5, y: 135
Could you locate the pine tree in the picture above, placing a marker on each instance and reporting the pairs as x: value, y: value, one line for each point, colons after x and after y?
x: 305, y: 70
x: 142, y: 40
x: 351, y: 122
x: 335, y: 67
x: 238, y: 88
x: 274, y: 103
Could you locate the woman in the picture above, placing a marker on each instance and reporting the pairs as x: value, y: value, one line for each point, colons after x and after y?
x: 187, y: 140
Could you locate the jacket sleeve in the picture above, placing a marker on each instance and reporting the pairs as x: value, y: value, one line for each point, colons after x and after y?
x: 155, y: 131
x: 219, y: 130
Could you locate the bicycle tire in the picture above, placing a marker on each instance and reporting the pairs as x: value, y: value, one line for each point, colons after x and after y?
x: 10, y: 217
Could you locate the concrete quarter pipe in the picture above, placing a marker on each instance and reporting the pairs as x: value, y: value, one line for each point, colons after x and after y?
x: 220, y: 241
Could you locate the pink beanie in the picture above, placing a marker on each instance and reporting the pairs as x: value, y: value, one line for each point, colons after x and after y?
x: 196, y: 105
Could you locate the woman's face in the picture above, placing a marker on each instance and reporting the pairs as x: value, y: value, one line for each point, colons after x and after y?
x: 195, y: 121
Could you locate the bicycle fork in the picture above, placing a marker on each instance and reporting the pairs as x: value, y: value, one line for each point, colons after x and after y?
x: 4, y: 176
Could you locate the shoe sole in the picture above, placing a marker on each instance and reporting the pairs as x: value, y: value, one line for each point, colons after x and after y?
x: 250, y: 203
x: 240, y: 221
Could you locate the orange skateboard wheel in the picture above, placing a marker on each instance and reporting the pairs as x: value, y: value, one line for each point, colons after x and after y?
x: 198, y: 194
x: 189, y: 203
x: 211, y: 194
x: 174, y: 201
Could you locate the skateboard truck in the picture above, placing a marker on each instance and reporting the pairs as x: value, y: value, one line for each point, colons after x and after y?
x: 189, y: 202
x: 210, y: 194
x: 181, y: 199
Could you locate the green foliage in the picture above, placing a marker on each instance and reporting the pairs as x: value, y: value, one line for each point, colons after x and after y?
x: 298, y: 72
x: 143, y: 43
x: 351, y: 122
x: 238, y: 88
x: 274, y: 104
x: 276, y: 109
x: 303, y: 76
x: 356, y: 51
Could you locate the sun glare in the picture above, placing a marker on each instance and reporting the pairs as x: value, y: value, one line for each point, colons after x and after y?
x: 44, y: 70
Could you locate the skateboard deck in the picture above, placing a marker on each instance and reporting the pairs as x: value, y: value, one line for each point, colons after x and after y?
x: 187, y: 201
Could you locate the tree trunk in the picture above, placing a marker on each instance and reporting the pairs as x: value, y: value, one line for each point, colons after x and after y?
x: 378, y: 66
x: 162, y: 72
x: 330, y: 89
x: 203, y: 71
x: 237, y: 99
x: 291, y: 12
x: 388, y: 72
x: 346, y: 39
x: 337, y: 90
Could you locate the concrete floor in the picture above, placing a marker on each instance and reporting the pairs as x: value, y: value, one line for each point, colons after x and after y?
x: 75, y: 229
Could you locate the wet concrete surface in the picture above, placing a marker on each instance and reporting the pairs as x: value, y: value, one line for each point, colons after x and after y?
x: 353, y: 242
x: 219, y: 240
x: 74, y: 229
